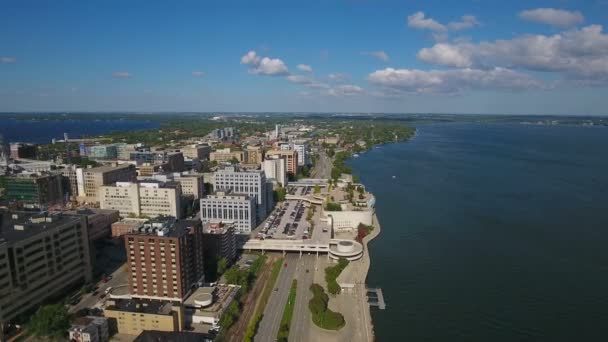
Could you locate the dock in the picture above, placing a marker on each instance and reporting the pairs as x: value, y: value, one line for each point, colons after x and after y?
x: 376, y: 298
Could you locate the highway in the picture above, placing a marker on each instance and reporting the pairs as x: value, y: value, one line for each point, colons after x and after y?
x: 300, y: 323
x: 269, y: 326
x: 323, y: 165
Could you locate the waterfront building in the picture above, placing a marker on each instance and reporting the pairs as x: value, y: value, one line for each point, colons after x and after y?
x: 41, y: 255
x: 90, y: 180
x: 165, y: 259
x: 275, y: 169
x: 23, y: 151
x: 35, y: 190
x: 219, y: 240
x: 150, y: 198
x: 89, y: 329
x: 103, y: 152
x: 252, y: 183
x: 228, y: 207
x: 291, y: 159
x: 134, y: 316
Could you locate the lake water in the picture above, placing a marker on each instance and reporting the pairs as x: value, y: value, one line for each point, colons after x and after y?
x: 42, y: 131
x: 491, y: 233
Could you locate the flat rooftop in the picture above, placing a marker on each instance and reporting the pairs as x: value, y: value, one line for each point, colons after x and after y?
x: 169, y: 227
x: 16, y: 226
x: 106, y: 168
x: 153, y: 307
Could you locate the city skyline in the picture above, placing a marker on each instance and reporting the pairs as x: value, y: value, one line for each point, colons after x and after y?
x: 534, y: 57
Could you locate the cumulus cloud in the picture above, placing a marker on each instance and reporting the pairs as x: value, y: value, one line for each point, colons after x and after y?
x: 264, y: 65
x: 418, y: 20
x: 337, y: 77
x: 413, y: 81
x: 306, y: 81
x: 121, y: 74
x: 7, y: 60
x: 380, y: 55
x: 304, y: 67
x: 554, y: 17
x: 578, y: 54
x: 198, y: 73
x: 466, y: 22
x: 346, y: 90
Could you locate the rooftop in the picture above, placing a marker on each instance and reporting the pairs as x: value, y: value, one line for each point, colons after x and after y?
x: 154, y: 307
x: 15, y: 226
x: 216, y: 227
x: 106, y: 168
x: 166, y: 227
x: 181, y: 336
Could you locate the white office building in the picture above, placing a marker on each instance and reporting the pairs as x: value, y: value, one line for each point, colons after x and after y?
x: 142, y: 199
x: 302, y: 154
x: 275, y: 170
x: 229, y: 207
x: 252, y: 183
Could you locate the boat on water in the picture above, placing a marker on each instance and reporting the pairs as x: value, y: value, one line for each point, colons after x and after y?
x: 394, y: 177
x: 356, y: 155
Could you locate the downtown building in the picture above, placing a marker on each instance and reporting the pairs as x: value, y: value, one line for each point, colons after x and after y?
x: 34, y: 190
x: 291, y: 159
x: 165, y: 259
x: 150, y: 198
x: 275, y: 169
x: 90, y: 180
x: 238, y: 209
x: 219, y: 241
x: 41, y: 255
x: 252, y: 183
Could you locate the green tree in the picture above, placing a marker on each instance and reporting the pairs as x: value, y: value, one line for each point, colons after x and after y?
x: 279, y: 194
x: 222, y: 265
x: 50, y: 321
x: 234, y: 161
x: 317, y: 189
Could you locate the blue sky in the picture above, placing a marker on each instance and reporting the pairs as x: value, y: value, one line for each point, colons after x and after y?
x: 483, y: 56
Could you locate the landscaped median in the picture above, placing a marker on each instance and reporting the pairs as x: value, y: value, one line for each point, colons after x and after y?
x: 283, y: 334
x: 322, y: 316
x: 332, y: 273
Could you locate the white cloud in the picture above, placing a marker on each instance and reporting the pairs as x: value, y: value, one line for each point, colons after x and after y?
x: 466, y: 22
x: 413, y: 81
x: 579, y: 54
x: 306, y: 81
x: 198, y: 73
x: 304, y: 67
x: 264, y: 65
x: 346, y: 90
x: 553, y: 17
x: 380, y: 55
x: 7, y: 60
x: 337, y: 77
x: 419, y: 21
x: 121, y: 74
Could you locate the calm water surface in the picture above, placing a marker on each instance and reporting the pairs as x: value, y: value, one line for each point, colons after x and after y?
x: 42, y: 131
x: 491, y: 233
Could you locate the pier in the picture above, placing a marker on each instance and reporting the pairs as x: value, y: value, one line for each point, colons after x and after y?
x: 376, y: 298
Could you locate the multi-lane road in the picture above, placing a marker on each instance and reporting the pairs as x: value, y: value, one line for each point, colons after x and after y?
x: 269, y: 326
x: 300, y: 323
x: 323, y: 165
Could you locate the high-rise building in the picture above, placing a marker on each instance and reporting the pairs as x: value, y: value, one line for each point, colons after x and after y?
x: 196, y: 151
x: 5, y: 154
x: 291, y: 159
x: 219, y: 241
x: 254, y: 154
x: 192, y: 183
x: 226, y: 155
x: 252, y: 183
x: 70, y: 180
x: 165, y: 259
x: 228, y: 207
x: 302, y: 150
x: 275, y: 168
x: 150, y: 198
x: 90, y: 180
x: 103, y: 152
x: 23, y: 151
x: 35, y: 190
x: 41, y: 255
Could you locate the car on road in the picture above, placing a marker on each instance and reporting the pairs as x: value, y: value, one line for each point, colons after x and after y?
x: 285, y: 264
x: 307, y: 270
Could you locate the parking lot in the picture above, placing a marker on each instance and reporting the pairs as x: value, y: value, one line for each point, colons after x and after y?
x: 287, y: 222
